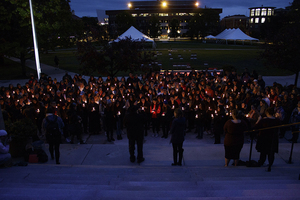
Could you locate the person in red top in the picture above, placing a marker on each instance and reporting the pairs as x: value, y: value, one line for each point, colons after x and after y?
x: 273, y: 97
x: 209, y: 91
x: 155, y: 109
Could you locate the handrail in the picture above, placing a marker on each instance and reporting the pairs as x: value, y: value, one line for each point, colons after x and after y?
x: 272, y: 127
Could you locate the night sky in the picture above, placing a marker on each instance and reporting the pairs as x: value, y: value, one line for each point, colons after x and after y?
x: 230, y: 7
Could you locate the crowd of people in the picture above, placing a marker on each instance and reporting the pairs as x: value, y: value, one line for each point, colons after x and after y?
x: 206, y: 99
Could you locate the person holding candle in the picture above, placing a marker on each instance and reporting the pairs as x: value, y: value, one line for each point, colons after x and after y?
x: 155, y: 110
x: 166, y: 117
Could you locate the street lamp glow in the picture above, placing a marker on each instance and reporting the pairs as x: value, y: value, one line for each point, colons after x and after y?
x: 197, y: 4
x: 164, y: 4
x: 129, y: 5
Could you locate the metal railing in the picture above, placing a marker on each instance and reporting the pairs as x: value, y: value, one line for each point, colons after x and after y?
x: 273, y: 127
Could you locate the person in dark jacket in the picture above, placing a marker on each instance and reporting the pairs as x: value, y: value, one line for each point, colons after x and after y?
x: 53, y: 140
x: 219, y: 122
x: 166, y: 118
x: 75, y: 124
x: 234, y: 138
x: 177, y: 136
x: 134, y: 121
x: 267, y: 140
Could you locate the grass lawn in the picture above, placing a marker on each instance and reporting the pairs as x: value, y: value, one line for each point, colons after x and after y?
x: 67, y: 59
x: 12, y: 70
x: 214, y: 55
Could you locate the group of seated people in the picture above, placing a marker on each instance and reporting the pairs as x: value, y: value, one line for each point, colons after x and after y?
x: 206, y: 98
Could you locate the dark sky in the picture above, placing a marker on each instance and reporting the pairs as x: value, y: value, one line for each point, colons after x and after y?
x: 230, y: 7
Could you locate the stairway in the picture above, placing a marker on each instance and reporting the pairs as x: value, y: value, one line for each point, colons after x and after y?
x: 101, y: 170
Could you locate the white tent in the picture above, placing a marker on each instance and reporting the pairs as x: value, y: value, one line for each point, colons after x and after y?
x: 234, y: 34
x: 135, y: 35
x: 210, y: 37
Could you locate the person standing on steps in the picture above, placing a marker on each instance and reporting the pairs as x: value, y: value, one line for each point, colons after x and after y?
x: 234, y: 137
x: 267, y: 140
x: 134, y: 121
x: 52, y: 127
x: 177, y: 132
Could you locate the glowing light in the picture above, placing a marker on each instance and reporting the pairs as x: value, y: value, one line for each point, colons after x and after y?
x: 129, y: 5
x: 164, y: 4
x: 197, y: 4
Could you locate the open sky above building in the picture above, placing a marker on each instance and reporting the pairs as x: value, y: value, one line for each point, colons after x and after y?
x: 230, y: 7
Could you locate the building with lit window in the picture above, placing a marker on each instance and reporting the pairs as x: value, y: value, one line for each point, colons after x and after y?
x: 166, y: 11
x: 235, y: 21
x: 259, y: 15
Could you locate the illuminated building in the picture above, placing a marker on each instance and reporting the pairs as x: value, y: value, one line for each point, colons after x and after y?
x: 259, y: 15
x: 166, y: 11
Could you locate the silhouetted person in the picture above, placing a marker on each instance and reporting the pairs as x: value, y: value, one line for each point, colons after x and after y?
x: 177, y: 136
x: 134, y: 122
x: 267, y: 140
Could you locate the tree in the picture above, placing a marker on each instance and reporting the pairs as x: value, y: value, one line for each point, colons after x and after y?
x: 126, y: 55
x: 281, y: 48
x: 174, y: 26
x: 53, y: 21
x: 154, y: 26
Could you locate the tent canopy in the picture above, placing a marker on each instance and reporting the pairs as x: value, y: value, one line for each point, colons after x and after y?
x: 234, y: 34
x: 135, y: 35
x: 210, y: 37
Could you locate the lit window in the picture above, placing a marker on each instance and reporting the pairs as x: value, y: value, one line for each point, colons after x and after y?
x: 263, y: 20
x: 256, y: 20
x: 252, y: 12
x: 251, y: 20
x: 257, y: 12
x: 134, y: 15
x: 270, y: 12
x: 263, y: 12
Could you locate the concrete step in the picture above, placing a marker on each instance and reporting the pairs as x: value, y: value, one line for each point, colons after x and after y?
x: 155, y: 182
